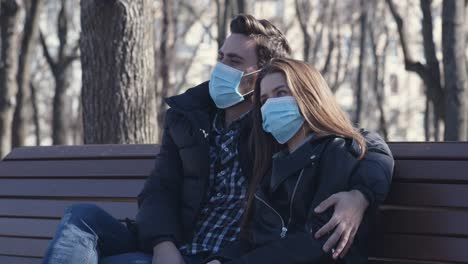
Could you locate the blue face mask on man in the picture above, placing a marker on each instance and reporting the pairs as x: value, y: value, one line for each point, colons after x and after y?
x: 224, y: 85
x: 281, y: 118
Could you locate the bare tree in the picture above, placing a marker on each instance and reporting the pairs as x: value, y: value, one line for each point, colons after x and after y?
x: 456, y: 82
x: 60, y: 70
x: 343, y: 70
x: 331, y: 41
x: 31, y: 29
x: 376, y: 38
x: 166, y: 52
x: 190, y: 63
x: 319, y: 28
x: 172, y: 32
x: 118, y: 71
x: 429, y: 72
x: 223, y: 15
x: 243, y: 7
x: 362, y: 52
x: 9, y: 24
x: 35, y: 113
x: 435, y: 91
x: 312, y: 31
x: 303, y: 16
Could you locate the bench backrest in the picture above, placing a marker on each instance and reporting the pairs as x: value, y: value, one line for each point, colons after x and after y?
x: 425, y: 217
x: 38, y: 183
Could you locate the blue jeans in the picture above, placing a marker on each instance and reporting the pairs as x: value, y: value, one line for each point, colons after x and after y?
x: 89, y: 235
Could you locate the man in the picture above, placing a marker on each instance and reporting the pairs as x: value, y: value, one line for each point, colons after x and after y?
x: 193, y: 202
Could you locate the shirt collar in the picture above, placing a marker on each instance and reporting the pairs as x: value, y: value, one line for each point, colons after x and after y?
x: 218, y: 121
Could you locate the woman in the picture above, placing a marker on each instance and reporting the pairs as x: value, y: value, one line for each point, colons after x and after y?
x: 317, y: 151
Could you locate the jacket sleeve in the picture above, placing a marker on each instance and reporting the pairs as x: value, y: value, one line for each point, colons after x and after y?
x: 158, y: 213
x: 374, y: 174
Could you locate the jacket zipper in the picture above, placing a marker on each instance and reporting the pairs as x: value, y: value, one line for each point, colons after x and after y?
x: 292, y: 197
x: 284, y: 228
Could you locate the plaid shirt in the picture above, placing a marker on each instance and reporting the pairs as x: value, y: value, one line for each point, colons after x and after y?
x: 220, y: 217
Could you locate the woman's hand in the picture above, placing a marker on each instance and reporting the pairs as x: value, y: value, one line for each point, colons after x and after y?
x: 215, y: 261
x: 349, y: 210
x: 167, y: 253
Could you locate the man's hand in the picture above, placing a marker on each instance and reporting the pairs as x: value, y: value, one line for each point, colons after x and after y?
x: 349, y: 210
x: 167, y: 253
x: 215, y: 261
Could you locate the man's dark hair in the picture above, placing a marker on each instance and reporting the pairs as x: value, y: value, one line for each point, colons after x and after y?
x: 271, y: 42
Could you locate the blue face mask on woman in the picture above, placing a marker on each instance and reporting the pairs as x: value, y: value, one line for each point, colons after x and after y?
x: 224, y: 85
x: 281, y: 118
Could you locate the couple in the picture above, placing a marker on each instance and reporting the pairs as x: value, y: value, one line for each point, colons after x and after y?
x: 258, y: 165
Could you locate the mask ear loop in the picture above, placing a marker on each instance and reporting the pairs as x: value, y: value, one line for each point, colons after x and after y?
x: 250, y: 73
x: 247, y: 94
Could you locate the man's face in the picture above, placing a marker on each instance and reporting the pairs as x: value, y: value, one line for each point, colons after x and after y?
x: 238, y: 51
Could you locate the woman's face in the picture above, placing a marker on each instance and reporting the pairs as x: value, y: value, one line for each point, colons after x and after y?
x: 273, y: 85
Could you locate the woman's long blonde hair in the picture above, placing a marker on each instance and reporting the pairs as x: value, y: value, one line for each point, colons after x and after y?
x: 317, y: 105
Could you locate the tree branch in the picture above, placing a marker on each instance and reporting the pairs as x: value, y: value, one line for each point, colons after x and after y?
x: 73, y: 56
x: 410, y: 63
x: 303, y: 21
x: 188, y: 66
x: 45, y: 50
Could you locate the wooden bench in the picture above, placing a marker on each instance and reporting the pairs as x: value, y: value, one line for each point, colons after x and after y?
x: 424, y: 220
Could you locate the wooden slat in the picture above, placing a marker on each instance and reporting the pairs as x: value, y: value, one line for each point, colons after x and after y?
x: 418, y: 221
x: 23, y: 227
x: 56, y: 208
x: 431, y: 170
x: 70, y: 188
x: 427, y: 194
x: 29, y: 247
x: 421, y: 248
x: 77, y: 168
x: 405, y: 261
x: 401, y: 150
x: 28, y: 227
x: 148, y: 151
x: 19, y: 260
x: 429, y: 150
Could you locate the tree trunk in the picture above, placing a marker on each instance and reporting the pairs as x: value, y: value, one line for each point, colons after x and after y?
x: 243, y: 7
x: 303, y: 23
x: 9, y: 26
x: 427, y: 115
x: 321, y: 23
x: 434, y: 90
x: 340, y: 78
x: 429, y: 73
x: 31, y: 29
x: 35, y: 114
x: 59, y: 118
x: 60, y: 70
x: 379, y: 76
x: 362, y: 52
x: 118, y: 72
x: 165, y: 60
x: 223, y: 14
x: 453, y: 46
